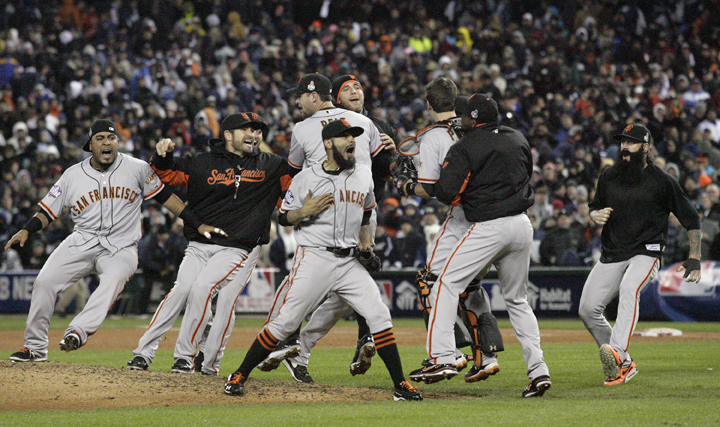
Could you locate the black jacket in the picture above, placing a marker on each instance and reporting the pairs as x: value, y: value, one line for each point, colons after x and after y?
x: 488, y: 172
x: 638, y: 224
x: 381, y: 162
x: 237, y: 194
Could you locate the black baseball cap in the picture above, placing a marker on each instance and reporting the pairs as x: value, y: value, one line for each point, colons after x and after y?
x: 637, y: 132
x: 314, y: 82
x: 339, y: 83
x: 460, y: 104
x: 98, y: 126
x: 238, y: 120
x: 480, y: 108
x: 340, y: 127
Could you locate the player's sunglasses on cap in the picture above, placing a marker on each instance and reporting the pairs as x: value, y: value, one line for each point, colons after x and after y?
x: 478, y: 107
x: 314, y: 82
x: 239, y: 120
x: 636, y: 132
x: 339, y: 128
x: 339, y: 83
x: 97, y: 127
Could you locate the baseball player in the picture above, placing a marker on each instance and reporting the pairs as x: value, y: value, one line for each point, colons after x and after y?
x: 237, y: 187
x: 103, y: 194
x: 633, y: 201
x: 433, y: 144
x: 488, y: 172
x: 347, y: 92
x: 313, y: 97
x: 330, y: 204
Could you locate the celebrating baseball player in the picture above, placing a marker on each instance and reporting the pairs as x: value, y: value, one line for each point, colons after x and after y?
x: 488, y: 172
x: 237, y: 187
x: 103, y: 194
x: 429, y: 151
x: 633, y: 201
x: 313, y: 97
x: 347, y: 92
x: 330, y: 205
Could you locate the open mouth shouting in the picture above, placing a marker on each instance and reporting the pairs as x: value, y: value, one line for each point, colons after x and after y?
x: 106, y: 154
x: 250, y: 143
x: 350, y: 150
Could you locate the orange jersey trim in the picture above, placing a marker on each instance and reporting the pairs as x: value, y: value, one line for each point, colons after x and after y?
x: 377, y: 150
x: 456, y: 200
x: 427, y: 180
x: 48, y: 210
x: 157, y: 190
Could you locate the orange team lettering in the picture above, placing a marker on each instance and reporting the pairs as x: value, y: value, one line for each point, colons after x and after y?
x: 227, y: 178
x: 252, y: 175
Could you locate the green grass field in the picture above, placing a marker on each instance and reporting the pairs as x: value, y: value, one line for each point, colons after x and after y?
x: 678, y: 385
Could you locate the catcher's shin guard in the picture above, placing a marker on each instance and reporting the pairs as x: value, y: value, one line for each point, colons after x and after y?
x: 463, y: 337
x: 482, y: 327
x: 424, y: 282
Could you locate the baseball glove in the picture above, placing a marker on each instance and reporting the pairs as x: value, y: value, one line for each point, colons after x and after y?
x: 403, y: 172
x: 369, y: 260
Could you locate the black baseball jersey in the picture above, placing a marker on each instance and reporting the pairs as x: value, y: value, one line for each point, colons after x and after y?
x: 237, y: 194
x: 639, y: 221
x: 489, y: 170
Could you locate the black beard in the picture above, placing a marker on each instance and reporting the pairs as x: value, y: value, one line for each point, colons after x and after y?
x: 631, y: 171
x: 341, y: 161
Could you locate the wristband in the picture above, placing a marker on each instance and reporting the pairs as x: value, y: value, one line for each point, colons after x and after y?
x: 33, y: 226
x: 189, y: 218
x: 410, y: 188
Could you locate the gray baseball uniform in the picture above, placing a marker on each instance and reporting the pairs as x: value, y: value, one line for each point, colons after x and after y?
x: 317, y: 271
x: 105, y: 207
x: 306, y: 146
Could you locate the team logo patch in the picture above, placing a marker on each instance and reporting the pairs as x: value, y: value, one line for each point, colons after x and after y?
x: 151, y: 178
x: 653, y: 247
x: 289, y: 198
x: 311, y: 86
x: 55, y: 192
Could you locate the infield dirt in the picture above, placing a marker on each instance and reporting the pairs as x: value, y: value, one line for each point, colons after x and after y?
x: 60, y: 385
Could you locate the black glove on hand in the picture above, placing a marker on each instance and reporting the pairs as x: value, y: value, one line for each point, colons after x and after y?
x: 369, y: 260
x: 690, y: 265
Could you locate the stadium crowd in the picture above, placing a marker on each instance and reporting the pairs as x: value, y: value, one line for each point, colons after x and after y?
x: 568, y: 75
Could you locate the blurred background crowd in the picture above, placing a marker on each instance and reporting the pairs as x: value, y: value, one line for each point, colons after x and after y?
x: 568, y: 74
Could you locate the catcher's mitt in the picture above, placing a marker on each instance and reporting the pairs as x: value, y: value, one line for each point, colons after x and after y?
x: 403, y: 171
x: 369, y: 260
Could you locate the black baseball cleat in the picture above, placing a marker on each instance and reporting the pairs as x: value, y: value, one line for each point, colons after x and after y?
x: 137, y: 363
x: 28, y: 355
x: 198, y: 361
x: 434, y: 373
x: 480, y: 373
x: 182, y: 366
x: 70, y: 342
x: 284, y: 350
x: 537, y: 387
x: 461, y: 361
x: 364, y: 353
x: 235, y: 384
x: 405, y: 391
x: 298, y: 372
